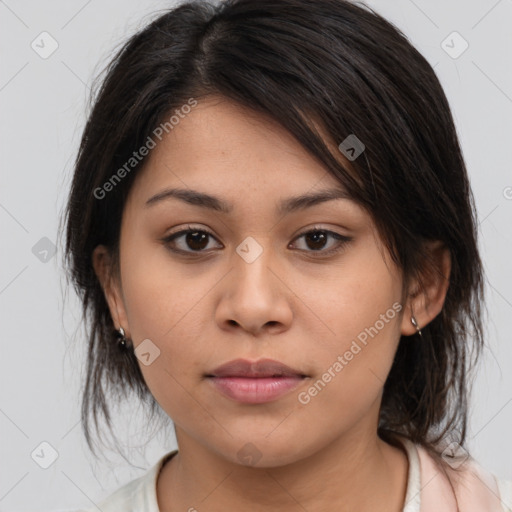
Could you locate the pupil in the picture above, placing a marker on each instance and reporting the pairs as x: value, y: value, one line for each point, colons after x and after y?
x: 192, y: 239
x: 314, y: 235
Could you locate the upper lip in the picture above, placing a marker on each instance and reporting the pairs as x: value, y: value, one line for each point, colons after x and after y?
x: 261, y: 368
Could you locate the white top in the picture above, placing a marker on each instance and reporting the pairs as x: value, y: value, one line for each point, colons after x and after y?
x: 139, y: 495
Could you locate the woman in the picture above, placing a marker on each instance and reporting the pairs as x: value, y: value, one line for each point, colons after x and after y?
x: 273, y: 235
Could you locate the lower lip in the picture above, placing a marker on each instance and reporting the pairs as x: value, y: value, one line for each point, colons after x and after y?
x: 255, y: 390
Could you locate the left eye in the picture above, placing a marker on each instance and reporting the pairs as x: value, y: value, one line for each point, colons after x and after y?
x: 316, y: 240
x: 197, y: 240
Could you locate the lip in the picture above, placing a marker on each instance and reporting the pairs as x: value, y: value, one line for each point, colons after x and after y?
x: 255, y: 382
x: 260, y: 368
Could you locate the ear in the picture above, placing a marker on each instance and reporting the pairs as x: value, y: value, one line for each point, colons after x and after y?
x: 427, y: 302
x: 102, y: 263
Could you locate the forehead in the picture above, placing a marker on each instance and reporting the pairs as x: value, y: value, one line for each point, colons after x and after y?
x: 222, y: 146
x: 244, y: 159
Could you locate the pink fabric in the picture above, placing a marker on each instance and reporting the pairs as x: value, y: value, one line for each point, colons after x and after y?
x: 476, y: 489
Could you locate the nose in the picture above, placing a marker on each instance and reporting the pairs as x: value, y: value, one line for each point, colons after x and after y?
x: 254, y: 296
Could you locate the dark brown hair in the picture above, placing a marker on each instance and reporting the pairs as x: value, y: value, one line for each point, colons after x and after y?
x: 328, y: 64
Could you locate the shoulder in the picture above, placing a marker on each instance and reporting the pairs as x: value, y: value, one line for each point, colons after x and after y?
x: 464, y: 483
x: 138, y: 495
x: 505, y: 490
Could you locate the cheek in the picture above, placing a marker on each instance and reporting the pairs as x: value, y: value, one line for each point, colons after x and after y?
x: 360, y: 298
x: 353, y: 370
x: 169, y: 314
x: 165, y: 303
x: 361, y: 313
x: 161, y: 295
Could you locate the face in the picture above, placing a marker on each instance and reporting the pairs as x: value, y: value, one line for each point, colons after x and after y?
x: 311, y: 287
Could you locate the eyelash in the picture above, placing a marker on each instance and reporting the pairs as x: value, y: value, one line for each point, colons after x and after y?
x: 343, y: 240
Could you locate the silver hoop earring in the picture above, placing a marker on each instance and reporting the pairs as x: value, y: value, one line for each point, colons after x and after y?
x: 415, y: 323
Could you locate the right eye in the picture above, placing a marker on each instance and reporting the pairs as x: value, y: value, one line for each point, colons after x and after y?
x: 193, y: 238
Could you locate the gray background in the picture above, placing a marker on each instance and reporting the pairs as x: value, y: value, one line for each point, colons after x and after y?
x: 43, y: 104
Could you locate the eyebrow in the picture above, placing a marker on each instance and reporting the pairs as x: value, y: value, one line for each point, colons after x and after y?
x: 286, y: 206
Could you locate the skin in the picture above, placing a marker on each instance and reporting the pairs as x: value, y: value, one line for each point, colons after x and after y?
x: 290, y: 304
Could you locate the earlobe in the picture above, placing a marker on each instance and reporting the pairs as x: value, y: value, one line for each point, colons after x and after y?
x: 426, y: 302
x: 102, y: 264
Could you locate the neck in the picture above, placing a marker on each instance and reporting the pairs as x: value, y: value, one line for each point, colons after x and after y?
x: 358, y: 472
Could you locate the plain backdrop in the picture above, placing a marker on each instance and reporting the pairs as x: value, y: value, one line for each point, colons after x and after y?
x: 43, y: 108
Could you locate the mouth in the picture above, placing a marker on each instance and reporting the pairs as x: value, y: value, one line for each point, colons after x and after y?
x: 264, y: 368
x: 256, y: 382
